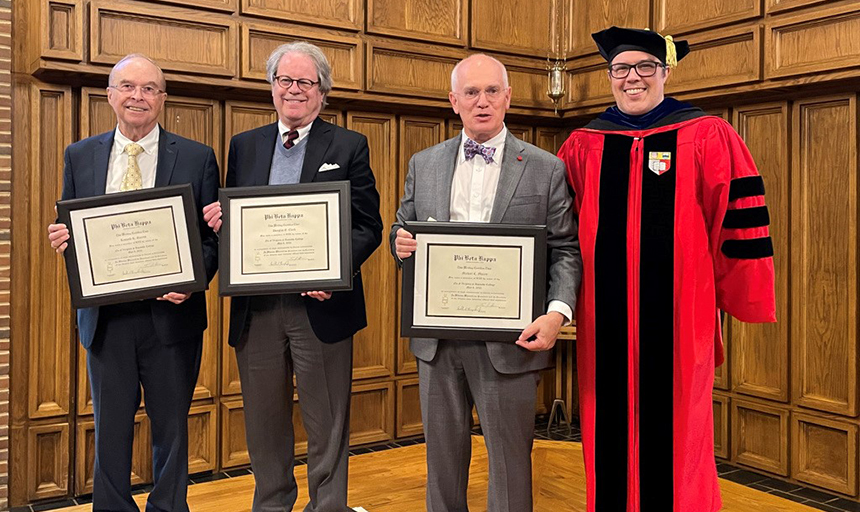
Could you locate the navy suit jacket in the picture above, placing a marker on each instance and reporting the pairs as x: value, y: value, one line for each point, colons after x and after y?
x: 249, y: 164
x: 180, y: 161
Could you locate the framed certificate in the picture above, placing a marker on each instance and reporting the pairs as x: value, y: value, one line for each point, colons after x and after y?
x: 286, y: 238
x: 473, y: 281
x: 132, y: 245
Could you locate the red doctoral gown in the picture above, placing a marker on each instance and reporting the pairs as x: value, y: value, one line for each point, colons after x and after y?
x: 673, y: 229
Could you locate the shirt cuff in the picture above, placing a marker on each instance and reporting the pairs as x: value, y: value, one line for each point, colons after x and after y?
x: 561, y: 307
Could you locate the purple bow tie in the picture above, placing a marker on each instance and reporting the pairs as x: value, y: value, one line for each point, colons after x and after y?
x: 472, y: 148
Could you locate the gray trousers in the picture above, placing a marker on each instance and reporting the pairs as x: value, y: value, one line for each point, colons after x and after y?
x: 462, y: 375
x: 278, y: 341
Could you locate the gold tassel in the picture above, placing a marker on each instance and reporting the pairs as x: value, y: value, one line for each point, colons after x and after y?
x: 671, y: 54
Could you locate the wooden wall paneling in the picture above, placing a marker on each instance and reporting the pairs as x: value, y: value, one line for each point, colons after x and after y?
x: 373, y: 349
x: 62, y: 29
x: 522, y: 132
x: 722, y: 113
x: 50, y: 335
x: 347, y: 14
x: 775, y: 6
x: 719, y: 58
x: 509, y: 28
x: 200, y: 120
x: 141, y: 459
x: 96, y: 114
x: 408, y: 408
x: 48, y: 461
x: 551, y: 139
x: 241, y: 116
x: 230, y: 383
x: 372, y: 415
x: 410, y: 68
x: 416, y: 134
x: 588, y: 84
x: 804, y: 43
x: 590, y: 16
x: 676, y: 17
x: 215, y: 5
x: 824, y: 260
x: 759, y: 436
x: 344, y: 51
x: 454, y: 127
x: 332, y: 116
x: 759, y: 352
x: 84, y: 396
x: 722, y: 404
x: 234, y: 450
x: 545, y: 391
x: 722, y: 373
x: 528, y: 86
x: 824, y: 452
x: 301, y: 435
x: 436, y: 21
x: 184, y: 40
x: 202, y: 438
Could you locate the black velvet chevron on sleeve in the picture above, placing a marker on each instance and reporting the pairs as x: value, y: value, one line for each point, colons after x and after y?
x: 747, y: 186
x: 742, y: 218
x: 751, y: 249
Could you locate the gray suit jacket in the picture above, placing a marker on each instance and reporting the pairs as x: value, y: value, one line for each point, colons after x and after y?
x: 532, y: 190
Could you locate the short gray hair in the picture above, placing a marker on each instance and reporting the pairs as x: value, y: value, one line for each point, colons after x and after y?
x: 131, y: 56
x: 457, y: 68
x: 316, y: 55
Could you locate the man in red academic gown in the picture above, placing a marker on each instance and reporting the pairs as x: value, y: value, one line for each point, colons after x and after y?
x: 673, y: 229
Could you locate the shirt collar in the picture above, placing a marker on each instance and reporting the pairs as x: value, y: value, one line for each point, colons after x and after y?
x: 149, y: 142
x: 496, y: 142
x: 284, y: 129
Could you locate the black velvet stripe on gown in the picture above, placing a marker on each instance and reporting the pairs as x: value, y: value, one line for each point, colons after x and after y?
x: 611, y: 339
x: 656, y: 329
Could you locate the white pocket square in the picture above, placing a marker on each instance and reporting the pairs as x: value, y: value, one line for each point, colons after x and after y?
x: 328, y: 167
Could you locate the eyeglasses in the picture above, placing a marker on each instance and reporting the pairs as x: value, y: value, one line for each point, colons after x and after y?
x: 147, y: 91
x: 472, y: 93
x: 644, y: 69
x: 286, y: 82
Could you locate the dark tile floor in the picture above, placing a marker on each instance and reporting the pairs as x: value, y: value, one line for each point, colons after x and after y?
x: 794, y: 492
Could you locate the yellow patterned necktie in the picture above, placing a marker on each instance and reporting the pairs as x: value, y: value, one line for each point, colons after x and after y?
x: 132, y: 180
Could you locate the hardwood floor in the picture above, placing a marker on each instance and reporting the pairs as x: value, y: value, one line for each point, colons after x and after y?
x: 393, y: 481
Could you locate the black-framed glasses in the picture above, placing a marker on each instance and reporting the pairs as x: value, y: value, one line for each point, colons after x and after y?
x: 146, y: 90
x: 286, y: 82
x: 644, y: 69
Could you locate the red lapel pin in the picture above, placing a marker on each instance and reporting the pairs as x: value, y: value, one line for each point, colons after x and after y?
x: 520, y: 158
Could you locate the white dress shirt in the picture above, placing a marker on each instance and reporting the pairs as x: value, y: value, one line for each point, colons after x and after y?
x: 147, y: 161
x: 284, y: 130
x: 473, y: 191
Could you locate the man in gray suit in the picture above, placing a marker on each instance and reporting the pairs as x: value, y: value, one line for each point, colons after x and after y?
x: 487, y: 175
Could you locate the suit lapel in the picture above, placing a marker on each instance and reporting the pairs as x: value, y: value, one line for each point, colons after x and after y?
x: 101, y: 161
x: 167, y: 151
x: 450, y: 153
x: 319, y: 139
x: 262, y: 163
x: 509, y: 178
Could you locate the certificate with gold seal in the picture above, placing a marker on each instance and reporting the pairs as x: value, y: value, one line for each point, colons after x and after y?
x: 473, y: 280
x: 286, y: 239
x: 132, y: 245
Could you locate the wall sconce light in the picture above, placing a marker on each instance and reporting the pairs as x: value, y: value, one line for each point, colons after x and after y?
x: 556, y: 64
x: 555, y: 89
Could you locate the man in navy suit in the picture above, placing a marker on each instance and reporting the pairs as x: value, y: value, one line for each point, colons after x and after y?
x: 309, y: 333
x: 155, y: 343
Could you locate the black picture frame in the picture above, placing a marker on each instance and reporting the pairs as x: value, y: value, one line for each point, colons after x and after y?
x: 230, y: 281
x: 74, y: 213
x: 463, y: 234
